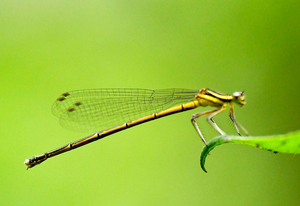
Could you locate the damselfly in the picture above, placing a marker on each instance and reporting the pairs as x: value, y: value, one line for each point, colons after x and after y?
x: 85, y: 110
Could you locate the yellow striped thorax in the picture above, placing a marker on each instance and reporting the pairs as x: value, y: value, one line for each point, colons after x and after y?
x: 208, y: 97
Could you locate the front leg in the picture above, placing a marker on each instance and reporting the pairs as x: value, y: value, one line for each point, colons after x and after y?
x: 236, y: 124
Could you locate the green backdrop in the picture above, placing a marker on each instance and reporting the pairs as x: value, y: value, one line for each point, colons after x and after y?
x: 50, y: 47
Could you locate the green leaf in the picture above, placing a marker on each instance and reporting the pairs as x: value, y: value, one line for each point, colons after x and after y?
x: 286, y: 143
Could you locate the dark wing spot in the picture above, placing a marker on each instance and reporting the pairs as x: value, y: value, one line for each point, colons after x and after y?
x: 71, y: 109
x: 66, y: 94
x: 78, y: 103
x: 61, y: 98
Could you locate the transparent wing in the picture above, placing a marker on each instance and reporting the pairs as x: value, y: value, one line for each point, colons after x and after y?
x: 94, y: 110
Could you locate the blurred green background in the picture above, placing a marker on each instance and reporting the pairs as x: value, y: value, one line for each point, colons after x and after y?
x: 50, y: 47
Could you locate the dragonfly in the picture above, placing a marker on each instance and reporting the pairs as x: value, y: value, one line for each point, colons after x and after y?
x: 95, y: 109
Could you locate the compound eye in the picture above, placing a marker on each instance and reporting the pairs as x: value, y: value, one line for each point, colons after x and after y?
x: 237, y: 94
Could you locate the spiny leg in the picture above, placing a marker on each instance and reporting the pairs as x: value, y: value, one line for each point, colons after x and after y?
x: 236, y: 124
x: 213, y: 123
x: 195, y: 117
